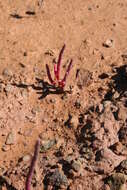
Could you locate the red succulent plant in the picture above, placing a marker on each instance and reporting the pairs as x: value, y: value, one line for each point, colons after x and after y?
x: 60, y: 83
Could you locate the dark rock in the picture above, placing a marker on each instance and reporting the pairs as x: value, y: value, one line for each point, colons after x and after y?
x: 47, y: 144
x: 56, y: 179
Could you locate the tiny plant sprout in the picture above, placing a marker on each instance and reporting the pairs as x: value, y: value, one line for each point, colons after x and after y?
x: 57, y: 82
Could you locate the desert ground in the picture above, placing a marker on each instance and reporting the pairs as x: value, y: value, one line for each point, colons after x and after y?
x: 82, y: 129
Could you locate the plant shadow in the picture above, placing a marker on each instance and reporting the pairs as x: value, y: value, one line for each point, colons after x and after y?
x: 46, y: 89
x: 119, y: 82
x: 120, y: 79
x: 4, y: 183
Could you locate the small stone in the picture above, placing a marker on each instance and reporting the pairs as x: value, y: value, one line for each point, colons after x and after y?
x: 26, y: 158
x: 77, y: 104
x: 52, y: 100
x: 107, y: 103
x: 7, y: 72
x: 124, y: 164
x: 87, y: 153
x: 74, y: 121
x: 118, y: 181
x: 99, y: 108
x: 57, y: 179
x: 10, y: 138
x: 47, y: 144
x: 5, y: 148
x: 69, y: 159
x: 81, y: 160
x: 83, y: 78
x: 8, y: 88
x: 108, y: 43
x: 76, y: 165
x: 116, y: 95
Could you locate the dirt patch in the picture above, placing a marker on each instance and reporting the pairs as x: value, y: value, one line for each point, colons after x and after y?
x: 82, y: 130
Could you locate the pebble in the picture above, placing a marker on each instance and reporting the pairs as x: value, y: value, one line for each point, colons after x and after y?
x: 10, y: 138
x: 58, y: 179
x: 118, y: 181
x: 8, y: 88
x: 87, y: 153
x: 7, y: 72
x: 26, y: 158
x: 52, y: 100
x: 83, y: 78
x: 108, y: 43
x: 69, y: 159
x: 47, y: 144
x: 74, y: 121
x: 76, y: 165
x: 124, y: 164
x: 99, y: 108
x: 107, y: 103
x: 116, y: 95
x: 5, y: 148
x: 77, y: 104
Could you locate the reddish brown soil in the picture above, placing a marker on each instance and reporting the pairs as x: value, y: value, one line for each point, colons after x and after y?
x: 83, y: 132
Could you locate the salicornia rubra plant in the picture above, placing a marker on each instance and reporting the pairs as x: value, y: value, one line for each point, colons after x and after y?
x: 32, y: 166
x: 60, y: 83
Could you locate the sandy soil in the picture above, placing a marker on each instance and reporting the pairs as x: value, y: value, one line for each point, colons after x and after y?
x: 83, y: 130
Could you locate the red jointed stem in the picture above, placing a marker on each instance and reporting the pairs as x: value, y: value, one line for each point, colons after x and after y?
x: 55, y: 70
x: 59, y: 62
x: 49, y: 75
x: 32, y: 166
x: 63, y: 81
